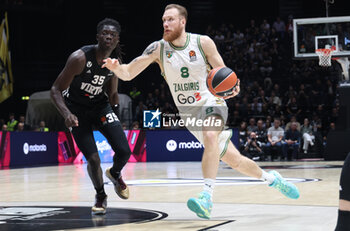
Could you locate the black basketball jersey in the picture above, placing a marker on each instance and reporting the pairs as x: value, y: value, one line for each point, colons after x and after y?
x: 87, y: 88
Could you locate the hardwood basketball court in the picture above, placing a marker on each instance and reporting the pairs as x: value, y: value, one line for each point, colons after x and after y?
x: 60, y: 198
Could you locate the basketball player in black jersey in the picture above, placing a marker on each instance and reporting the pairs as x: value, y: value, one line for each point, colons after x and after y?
x: 343, y: 223
x: 87, y: 97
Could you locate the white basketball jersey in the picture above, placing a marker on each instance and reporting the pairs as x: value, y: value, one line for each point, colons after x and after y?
x: 185, y: 70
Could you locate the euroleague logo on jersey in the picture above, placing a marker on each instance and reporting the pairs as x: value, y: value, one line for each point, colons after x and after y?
x: 193, y: 56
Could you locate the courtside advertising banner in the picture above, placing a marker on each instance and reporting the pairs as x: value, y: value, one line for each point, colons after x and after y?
x: 68, y: 151
x: 137, y: 144
x: 33, y: 148
x: 4, y: 149
x: 176, y: 145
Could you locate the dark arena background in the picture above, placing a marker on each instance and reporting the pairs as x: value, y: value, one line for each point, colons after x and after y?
x: 44, y: 183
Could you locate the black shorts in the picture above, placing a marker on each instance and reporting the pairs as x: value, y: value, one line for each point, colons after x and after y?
x: 344, y: 192
x: 100, y: 118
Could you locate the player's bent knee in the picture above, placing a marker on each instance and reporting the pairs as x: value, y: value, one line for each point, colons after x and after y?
x: 210, y: 136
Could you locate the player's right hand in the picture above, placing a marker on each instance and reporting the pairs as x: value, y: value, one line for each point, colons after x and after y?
x: 71, y: 121
x: 111, y: 64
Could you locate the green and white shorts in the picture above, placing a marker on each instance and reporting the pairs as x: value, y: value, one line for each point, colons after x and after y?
x: 204, y: 116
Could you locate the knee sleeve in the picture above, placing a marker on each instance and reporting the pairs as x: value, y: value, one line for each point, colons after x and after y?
x: 344, y: 192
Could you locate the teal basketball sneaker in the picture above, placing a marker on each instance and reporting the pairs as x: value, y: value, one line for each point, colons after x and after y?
x: 202, y: 205
x: 286, y: 188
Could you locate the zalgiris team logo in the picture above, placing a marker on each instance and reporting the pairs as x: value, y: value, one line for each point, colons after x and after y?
x: 169, y: 54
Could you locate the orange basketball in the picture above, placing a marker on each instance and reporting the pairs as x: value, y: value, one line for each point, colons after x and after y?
x: 221, y: 81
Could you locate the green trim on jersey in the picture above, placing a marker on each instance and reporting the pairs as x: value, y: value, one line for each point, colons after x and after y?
x: 226, y: 145
x: 201, y: 49
x: 188, y: 37
x: 161, y: 57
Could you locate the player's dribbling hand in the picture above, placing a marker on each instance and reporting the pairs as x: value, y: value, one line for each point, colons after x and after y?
x: 111, y: 64
x: 71, y: 121
x: 235, y: 91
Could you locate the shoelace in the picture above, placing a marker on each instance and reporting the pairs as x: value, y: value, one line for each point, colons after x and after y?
x: 202, y: 197
x: 282, y: 185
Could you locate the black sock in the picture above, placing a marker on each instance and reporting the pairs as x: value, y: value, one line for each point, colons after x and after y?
x: 100, y: 190
x: 343, y: 223
x: 115, y: 174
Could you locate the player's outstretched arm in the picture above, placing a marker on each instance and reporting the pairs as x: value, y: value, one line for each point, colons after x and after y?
x: 129, y: 71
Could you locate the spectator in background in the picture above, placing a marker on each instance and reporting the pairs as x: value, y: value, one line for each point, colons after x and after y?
x: 139, y: 111
x: 4, y: 128
x: 23, y: 120
x: 307, y: 134
x: 266, y: 65
x: 280, y: 27
x: 332, y: 118
x: 292, y: 141
x: 256, y: 107
x: 124, y: 126
x: 238, y: 38
x: 277, y: 111
x: 20, y: 127
x: 275, y: 99
x: 289, y: 27
x: 265, y: 27
x: 12, y: 122
x: 252, y: 148
x: 135, y: 125
x: 274, y: 136
x: 261, y: 134
x: 252, y: 126
x: 150, y: 100
x: 293, y: 119
x: 135, y: 94
x: 42, y: 127
x: 243, y: 134
x: 262, y: 98
x: 293, y: 108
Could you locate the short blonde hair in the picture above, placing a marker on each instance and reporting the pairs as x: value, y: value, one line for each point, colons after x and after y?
x: 182, y: 10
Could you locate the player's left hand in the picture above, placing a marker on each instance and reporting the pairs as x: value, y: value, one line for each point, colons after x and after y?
x: 235, y: 91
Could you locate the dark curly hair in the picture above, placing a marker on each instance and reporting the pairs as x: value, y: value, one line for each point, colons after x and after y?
x: 111, y: 22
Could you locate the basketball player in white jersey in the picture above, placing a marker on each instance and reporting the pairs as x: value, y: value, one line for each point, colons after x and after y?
x: 184, y: 59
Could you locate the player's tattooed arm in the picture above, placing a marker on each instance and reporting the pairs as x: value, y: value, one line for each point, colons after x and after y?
x: 151, y: 48
x: 129, y: 71
x: 148, y: 51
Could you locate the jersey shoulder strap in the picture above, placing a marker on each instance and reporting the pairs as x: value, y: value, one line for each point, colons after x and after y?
x: 161, y: 56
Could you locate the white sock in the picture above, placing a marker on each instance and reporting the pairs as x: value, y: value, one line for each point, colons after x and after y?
x: 269, y: 178
x: 209, y: 185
